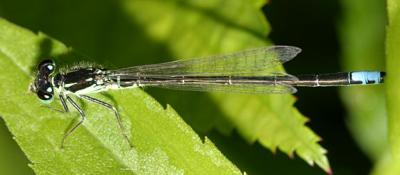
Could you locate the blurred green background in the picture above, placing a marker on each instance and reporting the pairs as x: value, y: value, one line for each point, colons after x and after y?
x: 334, y: 35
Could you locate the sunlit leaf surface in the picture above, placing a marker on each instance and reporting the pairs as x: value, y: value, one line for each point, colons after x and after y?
x: 163, y: 143
x: 128, y: 33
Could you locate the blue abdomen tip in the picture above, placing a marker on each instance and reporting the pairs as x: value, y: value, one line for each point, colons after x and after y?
x: 368, y: 77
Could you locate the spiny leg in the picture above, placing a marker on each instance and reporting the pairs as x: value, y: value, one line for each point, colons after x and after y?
x: 109, y: 106
x: 52, y: 108
x: 83, y: 117
x: 63, y: 103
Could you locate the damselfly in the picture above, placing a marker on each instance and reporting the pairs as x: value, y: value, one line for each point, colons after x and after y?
x: 250, y: 71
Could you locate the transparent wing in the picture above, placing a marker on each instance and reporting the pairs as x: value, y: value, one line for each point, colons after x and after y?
x: 240, y: 89
x: 271, y: 83
x: 248, y: 61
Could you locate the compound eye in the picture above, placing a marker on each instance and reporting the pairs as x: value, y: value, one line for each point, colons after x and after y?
x: 47, y: 66
x: 45, y: 93
x: 45, y: 96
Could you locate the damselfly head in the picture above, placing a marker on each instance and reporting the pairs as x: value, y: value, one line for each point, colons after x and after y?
x: 42, y: 84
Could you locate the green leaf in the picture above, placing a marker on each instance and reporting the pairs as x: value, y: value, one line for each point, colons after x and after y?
x: 163, y: 143
x: 389, y: 163
x: 121, y: 33
x: 11, y: 155
x: 197, y: 28
x: 393, y: 81
x: 386, y: 166
x: 363, y: 38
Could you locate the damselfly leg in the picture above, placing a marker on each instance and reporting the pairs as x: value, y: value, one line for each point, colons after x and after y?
x: 83, y: 116
x: 112, y: 108
x: 64, y: 104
